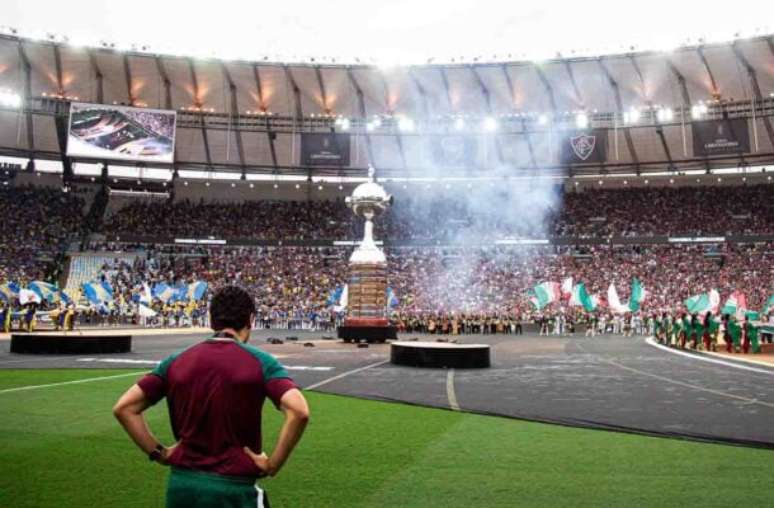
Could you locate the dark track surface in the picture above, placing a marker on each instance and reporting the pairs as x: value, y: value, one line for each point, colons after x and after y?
x: 606, y: 382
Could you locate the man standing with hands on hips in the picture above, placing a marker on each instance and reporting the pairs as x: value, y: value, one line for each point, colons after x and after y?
x: 215, y: 392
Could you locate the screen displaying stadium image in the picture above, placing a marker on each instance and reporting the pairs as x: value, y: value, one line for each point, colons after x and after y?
x: 120, y: 132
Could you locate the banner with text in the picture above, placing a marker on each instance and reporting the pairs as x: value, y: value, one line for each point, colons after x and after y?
x: 325, y: 149
x: 583, y: 147
x: 718, y: 137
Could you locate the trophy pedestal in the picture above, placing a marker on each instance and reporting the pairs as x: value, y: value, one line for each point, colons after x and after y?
x: 367, y: 303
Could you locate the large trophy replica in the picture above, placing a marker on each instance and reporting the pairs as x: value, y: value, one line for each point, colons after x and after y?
x: 367, y: 287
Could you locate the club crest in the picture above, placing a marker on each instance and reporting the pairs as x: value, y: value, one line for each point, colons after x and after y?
x: 583, y: 145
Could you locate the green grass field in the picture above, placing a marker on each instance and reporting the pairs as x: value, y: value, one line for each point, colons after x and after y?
x: 60, y: 446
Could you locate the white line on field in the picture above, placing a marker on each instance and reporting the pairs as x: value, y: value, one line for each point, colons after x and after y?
x: 681, y: 383
x: 450, y: 394
x: 344, y: 374
x: 75, y: 382
x: 703, y: 358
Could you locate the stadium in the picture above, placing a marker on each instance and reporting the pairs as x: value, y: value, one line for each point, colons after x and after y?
x: 538, y: 274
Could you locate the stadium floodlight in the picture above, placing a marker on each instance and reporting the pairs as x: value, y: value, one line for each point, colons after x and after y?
x: 543, y: 119
x: 581, y: 120
x: 665, y: 115
x: 699, y: 110
x: 405, y: 124
x: 10, y: 99
x: 489, y: 124
x: 632, y: 116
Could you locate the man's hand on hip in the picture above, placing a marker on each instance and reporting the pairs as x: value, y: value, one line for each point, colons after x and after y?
x: 262, y: 461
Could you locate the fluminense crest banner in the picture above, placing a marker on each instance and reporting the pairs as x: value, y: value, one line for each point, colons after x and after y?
x: 583, y: 147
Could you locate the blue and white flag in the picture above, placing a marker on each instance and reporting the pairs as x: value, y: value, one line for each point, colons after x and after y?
x: 165, y: 292
x: 97, y: 292
x: 392, y: 299
x: 45, y: 290
x: 9, y: 291
x: 196, y: 290
x: 334, y: 296
x: 343, y: 300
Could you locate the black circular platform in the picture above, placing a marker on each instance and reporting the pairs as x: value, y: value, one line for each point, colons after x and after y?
x: 367, y: 333
x: 69, y: 343
x: 440, y: 355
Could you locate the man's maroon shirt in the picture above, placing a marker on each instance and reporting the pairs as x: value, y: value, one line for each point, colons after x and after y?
x: 215, y: 392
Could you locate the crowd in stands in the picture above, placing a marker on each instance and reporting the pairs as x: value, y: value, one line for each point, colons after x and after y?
x: 292, y: 285
x: 592, y: 213
x: 37, y: 225
x: 480, y: 288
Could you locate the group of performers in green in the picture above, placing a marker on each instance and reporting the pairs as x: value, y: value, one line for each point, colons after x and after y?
x: 696, y: 331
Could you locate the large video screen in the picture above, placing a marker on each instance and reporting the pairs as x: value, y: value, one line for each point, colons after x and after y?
x: 120, y: 132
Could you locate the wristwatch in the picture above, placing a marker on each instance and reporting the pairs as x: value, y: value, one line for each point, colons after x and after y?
x: 156, y: 454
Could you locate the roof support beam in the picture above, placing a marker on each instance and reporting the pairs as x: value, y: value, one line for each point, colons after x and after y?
x: 447, y: 89
x: 58, y: 67
x: 548, y: 87
x: 98, y: 76
x: 362, y: 110
x: 299, y: 112
x: 649, y: 102
x: 198, y: 103
x: 578, y: 97
x: 321, y: 84
x: 234, y: 114
x: 619, y: 106
x: 422, y: 93
x: 753, y: 77
x: 269, y: 132
x: 128, y: 76
x: 715, y: 91
x: 165, y: 81
x: 524, y: 130
x: 488, y: 102
x: 681, y: 81
x: 27, y: 93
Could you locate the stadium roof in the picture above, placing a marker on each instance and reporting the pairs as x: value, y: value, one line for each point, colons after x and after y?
x: 394, y: 32
x: 246, y: 116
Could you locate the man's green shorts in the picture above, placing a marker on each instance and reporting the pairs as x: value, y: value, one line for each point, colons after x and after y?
x: 195, y: 489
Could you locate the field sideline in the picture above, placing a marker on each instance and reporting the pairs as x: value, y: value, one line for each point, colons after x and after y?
x: 60, y: 446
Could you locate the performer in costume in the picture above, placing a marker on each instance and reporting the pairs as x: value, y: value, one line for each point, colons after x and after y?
x: 685, y: 330
x: 746, y: 335
x: 735, y: 331
x: 713, y: 329
x: 69, y: 320
x: 705, y: 329
x: 752, y: 336
x: 29, y: 317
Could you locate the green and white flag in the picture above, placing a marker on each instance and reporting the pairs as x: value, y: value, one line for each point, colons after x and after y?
x: 704, y: 302
x: 735, y: 305
x: 545, y: 293
x: 637, y: 296
x: 768, y: 306
x: 614, y: 302
x: 581, y: 298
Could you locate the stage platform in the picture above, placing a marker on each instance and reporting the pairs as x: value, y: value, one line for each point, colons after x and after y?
x: 69, y: 343
x: 440, y: 355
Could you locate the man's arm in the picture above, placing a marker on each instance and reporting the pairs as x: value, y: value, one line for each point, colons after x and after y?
x: 128, y: 411
x: 294, y: 406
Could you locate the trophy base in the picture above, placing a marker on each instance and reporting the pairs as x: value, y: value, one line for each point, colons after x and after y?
x: 373, y: 330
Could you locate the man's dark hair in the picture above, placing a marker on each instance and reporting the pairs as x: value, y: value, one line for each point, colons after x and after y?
x: 231, y: 307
